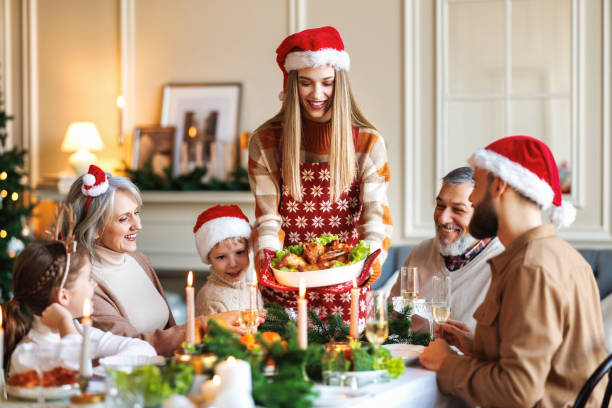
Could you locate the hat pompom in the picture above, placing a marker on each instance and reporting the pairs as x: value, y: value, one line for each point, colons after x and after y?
x: 89, y: 179
x: 563, y: 215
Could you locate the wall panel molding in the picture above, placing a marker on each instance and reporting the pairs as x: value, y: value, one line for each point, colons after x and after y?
x: 127, y: 64
x: 30, y: 86
x: 6, y: 63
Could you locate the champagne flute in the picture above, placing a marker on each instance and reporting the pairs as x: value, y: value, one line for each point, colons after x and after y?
x: 423, y: 307
x: 377, y: 324
x: 441, y: 307
x: 248, y: 318
x: 409, y: 284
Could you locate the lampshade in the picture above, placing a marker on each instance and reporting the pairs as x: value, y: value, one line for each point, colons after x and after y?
x: 82, y: 135
x: 82, y: 138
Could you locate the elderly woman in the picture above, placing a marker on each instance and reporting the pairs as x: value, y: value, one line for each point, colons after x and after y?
x: 129, y: 299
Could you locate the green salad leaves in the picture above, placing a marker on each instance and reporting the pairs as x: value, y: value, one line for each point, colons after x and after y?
x: 358, y: 253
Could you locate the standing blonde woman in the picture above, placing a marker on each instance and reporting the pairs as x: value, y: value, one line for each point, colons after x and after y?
x: 318, y: 166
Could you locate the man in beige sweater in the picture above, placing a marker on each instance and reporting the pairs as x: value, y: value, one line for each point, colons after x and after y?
x: 539, y: 333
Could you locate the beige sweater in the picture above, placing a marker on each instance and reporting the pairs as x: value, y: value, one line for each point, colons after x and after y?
x: 109, y: 314
x: 222, y: 295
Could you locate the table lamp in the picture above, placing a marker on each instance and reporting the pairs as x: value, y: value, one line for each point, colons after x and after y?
x: 82, y: 138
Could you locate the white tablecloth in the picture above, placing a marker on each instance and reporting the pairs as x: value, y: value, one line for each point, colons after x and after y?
x: 415, y: 388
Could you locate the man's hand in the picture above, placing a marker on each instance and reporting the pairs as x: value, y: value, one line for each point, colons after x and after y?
x: 456, y: 334
x: 57, y: 318
x: 434, y: 354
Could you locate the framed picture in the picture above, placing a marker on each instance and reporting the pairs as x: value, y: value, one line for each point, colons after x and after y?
x: 155, y: 144
x: 206, y: 119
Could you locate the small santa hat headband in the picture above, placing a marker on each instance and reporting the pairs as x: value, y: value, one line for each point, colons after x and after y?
x: 315, y: 47
x: 528, y: 165
x: 95, y: 182
x: 217, y: 224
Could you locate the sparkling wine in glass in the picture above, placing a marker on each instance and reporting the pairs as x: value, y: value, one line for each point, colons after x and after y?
x: 409, y: 276
x: 441, y: 307
x: 377, y: 323
x: 423, y: 307
x: 248, y: 320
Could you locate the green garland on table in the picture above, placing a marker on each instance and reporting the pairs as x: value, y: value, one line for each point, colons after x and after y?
x: 331, y: 328
x: 146, y: 179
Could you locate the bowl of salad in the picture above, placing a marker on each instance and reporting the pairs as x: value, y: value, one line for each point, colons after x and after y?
x: 322, y: 262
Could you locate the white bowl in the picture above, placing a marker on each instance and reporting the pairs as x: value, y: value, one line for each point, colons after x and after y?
x: 322, y: 277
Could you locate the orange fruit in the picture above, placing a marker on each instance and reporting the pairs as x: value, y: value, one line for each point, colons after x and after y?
x: 271, y: 337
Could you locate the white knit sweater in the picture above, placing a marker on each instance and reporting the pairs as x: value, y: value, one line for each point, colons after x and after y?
x: 222, y: 295
x: 469, y: 284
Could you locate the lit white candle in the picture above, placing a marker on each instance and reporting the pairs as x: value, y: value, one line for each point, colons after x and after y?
x: 355, y: 311
x: 210, y: 389
x: 189, y: 300
x: 236, y: 387
x: 302, y: 316
x: 85, y: 363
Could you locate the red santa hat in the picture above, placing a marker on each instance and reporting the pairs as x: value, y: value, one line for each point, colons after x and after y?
x: 528, y: 165
x: 217, y: 224
x: 95, y: 182
x: 315, y: 47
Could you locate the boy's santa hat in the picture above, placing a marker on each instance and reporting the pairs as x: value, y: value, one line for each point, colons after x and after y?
x: 528, y: 165
x: 315, y: 47
x: 217, y: 224
x: 95, y: 182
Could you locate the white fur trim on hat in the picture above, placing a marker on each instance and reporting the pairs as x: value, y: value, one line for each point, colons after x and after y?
x: 564, y: 215
x: 326, y: 56
x: 96, y: 190
x: 519, y: 177
x: 218, y: 229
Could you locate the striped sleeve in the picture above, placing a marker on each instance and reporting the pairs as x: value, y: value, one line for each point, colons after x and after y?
x: 375, y: 225
x: 264, y: 178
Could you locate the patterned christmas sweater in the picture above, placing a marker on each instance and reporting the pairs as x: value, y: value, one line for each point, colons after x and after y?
x: 374, y: 225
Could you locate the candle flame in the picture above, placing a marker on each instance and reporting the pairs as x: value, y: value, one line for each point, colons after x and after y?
x: 302, y: 287
x: 231, y: 360
x: 192, y: 132
x: 120, y: 102
x: 87, y: 307
x: 354, y: 283
x: 190, y: 279
x: 216, y: 380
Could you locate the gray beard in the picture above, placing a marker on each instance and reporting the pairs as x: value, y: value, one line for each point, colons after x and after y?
x: 455, y: 248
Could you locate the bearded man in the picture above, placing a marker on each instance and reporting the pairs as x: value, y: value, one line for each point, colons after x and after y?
x: 539, y: 332
x: 454, y: 251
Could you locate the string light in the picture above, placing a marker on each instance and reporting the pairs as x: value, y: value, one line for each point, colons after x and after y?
x: 12, y: 254
x: 2, y: 234
x: 14, y: 196
x: 3, y: 175
x: 3, y: 193
x: 25, y: 231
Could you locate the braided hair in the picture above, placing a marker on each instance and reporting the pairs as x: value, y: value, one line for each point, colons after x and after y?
x: 37, y: 275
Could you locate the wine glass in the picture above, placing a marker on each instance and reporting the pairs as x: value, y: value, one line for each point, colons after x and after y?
x: 377, y: 323
x: 409, y: 276
x: 423, y: 307
x: 248, y: 317
x: 441, y: 307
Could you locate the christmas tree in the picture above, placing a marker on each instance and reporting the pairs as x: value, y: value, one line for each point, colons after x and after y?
x: 14, y: 212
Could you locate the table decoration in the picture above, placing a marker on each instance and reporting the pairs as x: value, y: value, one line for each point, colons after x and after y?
x: 302, y: 316
x: 355, y: 310
x: 210, y: 389
x: 190, y: 334
x: 236, y: 387
x: 85, y: 366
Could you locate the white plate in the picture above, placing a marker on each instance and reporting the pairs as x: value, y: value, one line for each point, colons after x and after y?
x: 48, y: 393
x: 365, y: 375
x: 322, y: 277
x: 409, y: 352
x: 333, y: 396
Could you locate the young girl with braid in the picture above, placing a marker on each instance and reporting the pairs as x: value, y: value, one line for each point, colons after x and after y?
x: 50, y: 284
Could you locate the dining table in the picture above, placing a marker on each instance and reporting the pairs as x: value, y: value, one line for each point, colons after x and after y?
x: 415, y: 388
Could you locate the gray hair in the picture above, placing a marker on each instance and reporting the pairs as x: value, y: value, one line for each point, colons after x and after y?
x: 99, y: 211
x: 458, y: 176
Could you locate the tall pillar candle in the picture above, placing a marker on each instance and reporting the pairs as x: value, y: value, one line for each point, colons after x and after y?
x: 253, y: 292
x: 85, y: 363
x: 355, y: 311
x: 236, y: 387
x: 302, y: 316
x: 189, y: 301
